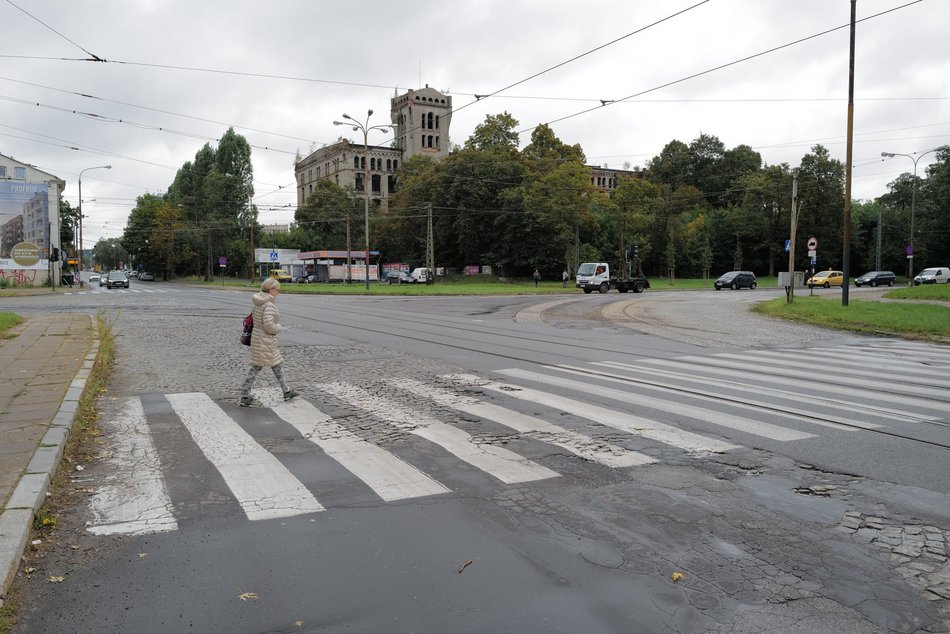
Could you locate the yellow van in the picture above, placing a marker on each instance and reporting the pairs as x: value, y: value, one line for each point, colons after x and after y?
x: 280, y: 275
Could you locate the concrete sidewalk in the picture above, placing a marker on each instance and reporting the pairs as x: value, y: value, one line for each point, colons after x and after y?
x: 44, y: 364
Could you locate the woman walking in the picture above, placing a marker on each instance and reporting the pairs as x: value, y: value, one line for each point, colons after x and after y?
x: 264, y: 350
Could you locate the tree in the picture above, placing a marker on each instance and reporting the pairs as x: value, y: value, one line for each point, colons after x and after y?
x: 323, y: 218
x: 821, y: 194
x: 496, y: 133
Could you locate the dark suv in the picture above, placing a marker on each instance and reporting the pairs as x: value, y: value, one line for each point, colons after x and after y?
x: 876, y: 278
x: 736, y: 280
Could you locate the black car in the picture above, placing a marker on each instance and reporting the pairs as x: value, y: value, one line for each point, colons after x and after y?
x: 399, y: 277
x: 117, y: 279
x: 876, y: 278
x: 736, y: 280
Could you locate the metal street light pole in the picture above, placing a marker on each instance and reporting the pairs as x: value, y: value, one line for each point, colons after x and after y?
x: 365, y: 128
x: 913, y: 208
x: 79, y: 258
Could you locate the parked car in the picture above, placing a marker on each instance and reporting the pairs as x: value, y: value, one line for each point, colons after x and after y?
x: 933, y: 275
x: 117, y: 279
x: 132, y: 274
x: 876, y: 278
x: 735, y: 280
x: 421, y: 275
x: 281, y: 275
x: 145, y: 276
x: 94, y: 277
x: 304, y: 279
x: 399, y: 277
x: 826, y: 279
x: 103, y: 278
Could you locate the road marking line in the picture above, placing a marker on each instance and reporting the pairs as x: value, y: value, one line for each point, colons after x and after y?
x: 134, y: 499
x: 629, y: 423
x: 530, y: 426
x: 263, y: 486
x: 504, y: 465
x: 739, y: 423
x: 389, y: 476
x: 731, y: 369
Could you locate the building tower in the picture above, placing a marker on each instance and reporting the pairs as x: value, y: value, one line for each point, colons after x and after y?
x: 421, y: 119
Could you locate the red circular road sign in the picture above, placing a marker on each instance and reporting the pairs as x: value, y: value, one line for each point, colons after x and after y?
x: 812, y: 243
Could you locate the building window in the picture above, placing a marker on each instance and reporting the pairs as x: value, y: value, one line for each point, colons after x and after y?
x: 359, y: 181
x: 389, y: 165
x: 363, y: 163
x: 309, y: 175
x: 437, y: 122
x: 3, y: 171
x: 356, y: 162
x: 377, y: 183
x: 437, y: 143
x: 19, y: 172
x: 395, y: 165
x: 430, y: 140
x: 392, y: 184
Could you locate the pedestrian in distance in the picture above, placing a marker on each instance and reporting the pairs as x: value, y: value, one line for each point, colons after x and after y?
x: 537, y: 277
x: 264, y: 350
x: 564, y: 278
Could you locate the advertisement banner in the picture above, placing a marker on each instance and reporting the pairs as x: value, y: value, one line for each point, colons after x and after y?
x: 24, y: 216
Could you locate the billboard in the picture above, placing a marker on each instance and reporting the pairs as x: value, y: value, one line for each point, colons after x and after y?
x: 24, y: 216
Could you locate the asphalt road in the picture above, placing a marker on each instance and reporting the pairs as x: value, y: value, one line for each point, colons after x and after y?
x: 665, y: 462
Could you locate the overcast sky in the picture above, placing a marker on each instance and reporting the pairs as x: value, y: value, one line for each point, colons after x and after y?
x: 179, y: 72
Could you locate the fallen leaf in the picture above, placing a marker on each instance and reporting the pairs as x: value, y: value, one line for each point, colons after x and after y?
x: 29, y: 571
x: 466, y: 564
x: 79, y: 467
x: 247, y: 596
x: 142, y: 555
x: 54, y: 579
x: 676, y: 576
x: 298, y: 623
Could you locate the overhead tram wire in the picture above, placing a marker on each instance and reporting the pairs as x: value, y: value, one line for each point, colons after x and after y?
x: 584, y: 54
x: 92, y: 56
x: 611, y: 102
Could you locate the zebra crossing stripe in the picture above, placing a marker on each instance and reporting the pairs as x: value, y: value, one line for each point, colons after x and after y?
x: 629, y: 423
x: 504, y: 465
x: 830, y: 366
x: 390, y: 477
x: 133, y: 499
x: 263, y: 486
x: 856, y: 388
x: 529, y: 426
x: 747, y: 425
x: 735, y: 386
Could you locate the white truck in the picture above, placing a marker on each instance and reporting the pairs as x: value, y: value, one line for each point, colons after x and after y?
x: 595, y: 276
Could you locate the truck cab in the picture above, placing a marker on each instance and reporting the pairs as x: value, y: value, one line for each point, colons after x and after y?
x: 593, y: 276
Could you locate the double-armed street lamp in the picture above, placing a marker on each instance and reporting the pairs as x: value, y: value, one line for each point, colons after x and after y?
x: 913, y: 207
x: 98, y: 167
x: 365, y: 128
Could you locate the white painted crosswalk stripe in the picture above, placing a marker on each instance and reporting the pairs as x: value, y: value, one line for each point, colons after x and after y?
x: 773, y: 375
x: 736, y: 389
x: 827, y: 367
x: 636, y: 425
x: 847, y: 359
x: 390, y: 477
x: 500, y: 463
x: 263, y: 486
x: 134, y: 499
x: 529, y: 426
x: 739, y: 423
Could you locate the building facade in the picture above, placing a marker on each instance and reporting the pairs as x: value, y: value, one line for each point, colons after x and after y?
x: 29, y: 212
x: 420, y: 122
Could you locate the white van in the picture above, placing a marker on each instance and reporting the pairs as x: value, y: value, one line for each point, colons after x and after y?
x: 933, y: 275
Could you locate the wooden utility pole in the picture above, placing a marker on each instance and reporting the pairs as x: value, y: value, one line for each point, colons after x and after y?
x: 430, y: 249
x: 790, y: 289
x: 846, y: 256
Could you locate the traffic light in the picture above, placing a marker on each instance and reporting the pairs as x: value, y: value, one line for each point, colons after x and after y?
x: 54, y: 254
x: 634, y: 252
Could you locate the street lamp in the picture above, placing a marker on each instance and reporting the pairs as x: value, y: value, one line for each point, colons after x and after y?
x: 913, y: 207
x: 365, y: 128
x: 98, y: 167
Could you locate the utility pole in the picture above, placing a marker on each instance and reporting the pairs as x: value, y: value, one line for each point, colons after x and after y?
x: 250, y: 218
x: 790, y: 290
x: 846, y: 256
x: 430, y: 250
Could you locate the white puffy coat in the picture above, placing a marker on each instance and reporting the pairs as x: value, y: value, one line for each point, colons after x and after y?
x: 264, y: 350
